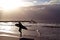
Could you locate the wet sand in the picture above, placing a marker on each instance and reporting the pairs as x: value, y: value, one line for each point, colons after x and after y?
x: 8, y: 38
x: 13, y: 38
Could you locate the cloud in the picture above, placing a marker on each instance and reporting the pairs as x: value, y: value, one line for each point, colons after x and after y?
x: 38, y: 2
x: 50, y: 2
x: 54, y: 2
x: 28, y: 4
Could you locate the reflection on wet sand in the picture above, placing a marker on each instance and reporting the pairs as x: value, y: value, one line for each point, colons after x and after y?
x: 10, y: 31
x: 9, y: 35
x: 8, y: 38
x: 7, y: 29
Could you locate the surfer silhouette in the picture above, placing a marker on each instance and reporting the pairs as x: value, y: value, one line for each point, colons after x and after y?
x: 20, y: 28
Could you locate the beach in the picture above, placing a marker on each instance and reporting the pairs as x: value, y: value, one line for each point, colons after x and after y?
x: 36, y: 32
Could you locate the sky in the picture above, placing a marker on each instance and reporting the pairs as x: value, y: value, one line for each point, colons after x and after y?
x: 43, y: 2
x: 13, y: 4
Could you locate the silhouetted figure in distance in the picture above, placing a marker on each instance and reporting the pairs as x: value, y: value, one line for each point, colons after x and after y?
x: 20, y: 28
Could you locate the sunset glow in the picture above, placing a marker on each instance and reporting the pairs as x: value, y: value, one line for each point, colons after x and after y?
x: 13, y: 4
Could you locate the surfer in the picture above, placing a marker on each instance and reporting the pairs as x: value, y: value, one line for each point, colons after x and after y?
x: 20, y: 28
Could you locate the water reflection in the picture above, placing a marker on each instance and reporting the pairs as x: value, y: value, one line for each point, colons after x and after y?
x: 6, y: 23
x: 6, y: 27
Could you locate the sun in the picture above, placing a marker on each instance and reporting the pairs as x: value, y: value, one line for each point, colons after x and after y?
x: 12, y: 4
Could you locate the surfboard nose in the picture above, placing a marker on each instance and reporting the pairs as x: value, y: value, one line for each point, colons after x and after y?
x: 17, y: 25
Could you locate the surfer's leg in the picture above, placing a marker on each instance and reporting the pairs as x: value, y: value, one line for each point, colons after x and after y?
x: 20, y: 32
